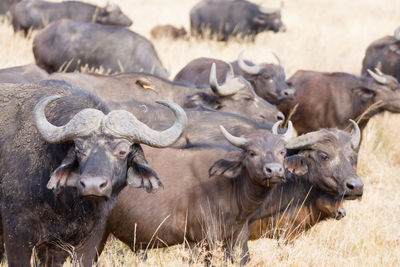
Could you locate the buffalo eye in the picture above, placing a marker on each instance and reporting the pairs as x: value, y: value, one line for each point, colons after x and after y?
x: 324, y: 156
x: 122, y: 150
x: 282, y: 153
x: 252, y: 153
x: 248, y: 99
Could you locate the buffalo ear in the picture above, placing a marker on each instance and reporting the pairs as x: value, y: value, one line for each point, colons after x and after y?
x: 364, y: 93
x: 139, y: 174
x: 225, y: 168
x: 65, y: 174
x: 296, y: 165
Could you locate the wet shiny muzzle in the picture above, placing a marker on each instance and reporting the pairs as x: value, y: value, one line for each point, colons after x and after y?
x: 95, y: 187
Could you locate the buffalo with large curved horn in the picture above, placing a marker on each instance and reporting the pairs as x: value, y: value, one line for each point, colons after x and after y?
x: 309, y: 139
x: 255, y: 69
x: 118, y: 122
x: 231, y: 85
x: 241, y: 141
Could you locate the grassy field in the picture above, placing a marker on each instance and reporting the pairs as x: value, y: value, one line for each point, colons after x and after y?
x: 321, y: 35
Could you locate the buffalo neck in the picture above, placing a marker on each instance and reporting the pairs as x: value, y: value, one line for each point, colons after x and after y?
x: 248, y: 195
x: 359, y: 105
x: 297, y: 190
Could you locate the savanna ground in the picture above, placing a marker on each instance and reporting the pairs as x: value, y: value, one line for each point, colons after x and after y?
x: 321, y: 35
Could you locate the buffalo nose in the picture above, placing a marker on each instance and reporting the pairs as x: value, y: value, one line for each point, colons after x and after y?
x: 95, y: 186
x: 288, y: 93
x: 280, y: 116
x: 273, y: 170
x: 355, y: 187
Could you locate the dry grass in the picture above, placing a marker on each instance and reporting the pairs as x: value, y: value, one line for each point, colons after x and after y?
x: 322, y: 35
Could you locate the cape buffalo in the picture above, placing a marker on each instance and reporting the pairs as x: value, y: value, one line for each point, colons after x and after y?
x: 224, y: 19
x: 315, y: 194
x: 168, y: 31
x: 62, y: 165
x: 217, y: 191
x: 328, y: 100
x: 268, y: 80
x: 23, y: 74
x: 69, y: 45
x: 235, y: 95
x: 384, y: 54
x: 36, y: 14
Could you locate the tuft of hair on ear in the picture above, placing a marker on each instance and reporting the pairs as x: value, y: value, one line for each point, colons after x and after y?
x: 225, y: 168
x: 149, y: 178
x: 64, y: 174
x: 140, y: 174
x: 296, y: 165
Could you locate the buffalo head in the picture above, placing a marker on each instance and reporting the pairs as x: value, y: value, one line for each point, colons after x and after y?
x: 261, y: 157
x: 383, y: 88
x: 268, y: 80
x: 106, y: 153
x: 324, y: 157
x: 235, y: 95
x: 238, y: 95
x: 111, y: 14
x: 270, y: 18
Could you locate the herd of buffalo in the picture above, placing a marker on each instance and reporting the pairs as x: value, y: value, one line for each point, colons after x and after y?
x: 76, y: 147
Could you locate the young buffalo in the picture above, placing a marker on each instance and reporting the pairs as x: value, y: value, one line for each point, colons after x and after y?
x: 217, y: 192
x: 320, y: 175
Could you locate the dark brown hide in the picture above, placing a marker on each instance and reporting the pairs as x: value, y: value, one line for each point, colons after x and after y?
x: 328, y: 100
x: 383, y: 54
x: 224, y: 19
x: 216, y: 193
x: 23, y: 74
x: 304, y: 200
x: 36, y: 14
x: 269, y: 83
x: 58, y: 183
x: 69, y: 45
x: 147, y: 88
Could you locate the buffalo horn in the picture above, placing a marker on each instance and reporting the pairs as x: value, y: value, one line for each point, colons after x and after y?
x: 303, y: 141
x: 234, y: 140
x: 268, y: 11
x: 397, y: 33
x: 82, y: 123
x: 356, y: 135
x: 379, y: 71
x: 252, y: 70
x: 278, y: 59
x: 122, y: 123
x: 377, y: 78
x: 289, y: 132
x: 230, y: 87
x: 230, y: 74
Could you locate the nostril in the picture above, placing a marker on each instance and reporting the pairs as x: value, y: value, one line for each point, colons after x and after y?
x: 103, y: 185
x: 285, y: 93
x: 280, y: 117
x: 268, y: 170
x: 82, y: 184
x: 350, y: 186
